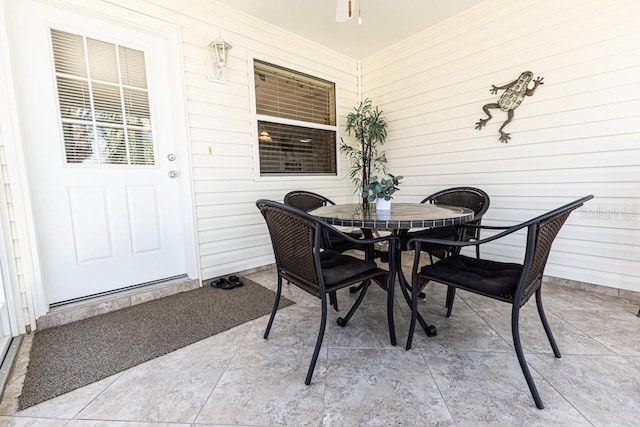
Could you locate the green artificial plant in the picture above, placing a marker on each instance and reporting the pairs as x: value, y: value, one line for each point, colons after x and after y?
x: 382, y: 189
x: 369, y: 127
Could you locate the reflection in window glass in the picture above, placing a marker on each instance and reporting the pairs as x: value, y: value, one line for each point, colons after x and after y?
x: 296, y: 149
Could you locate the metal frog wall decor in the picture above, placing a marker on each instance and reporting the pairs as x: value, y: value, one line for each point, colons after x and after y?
x: 512, y: 97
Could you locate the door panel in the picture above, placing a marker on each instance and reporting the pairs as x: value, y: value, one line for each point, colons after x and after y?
x: 107, y: 211
x: 91, y: 225
x: 144, y: 218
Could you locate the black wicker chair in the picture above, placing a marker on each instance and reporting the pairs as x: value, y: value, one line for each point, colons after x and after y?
x: 307, y: 201
x: 297, y: 245
x: 468, y: 197
x: 512, y: 283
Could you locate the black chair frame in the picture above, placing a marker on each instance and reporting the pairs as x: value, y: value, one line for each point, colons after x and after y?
x: 297, y: 239
x: 468, y: 197
x: 308, y: 201
x: 456, y: 196
x: 541, y: 232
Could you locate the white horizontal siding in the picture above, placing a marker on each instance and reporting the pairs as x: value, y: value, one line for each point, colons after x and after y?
x: 577, y: 135
x: 231, y: 233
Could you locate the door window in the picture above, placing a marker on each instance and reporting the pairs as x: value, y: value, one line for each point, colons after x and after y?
x: 103, y: 101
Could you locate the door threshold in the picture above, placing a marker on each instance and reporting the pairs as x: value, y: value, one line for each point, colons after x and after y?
x: 74, y: 311
x: 8, y: 361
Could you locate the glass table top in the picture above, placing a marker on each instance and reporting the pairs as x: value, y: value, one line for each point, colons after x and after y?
x: 401, y: 216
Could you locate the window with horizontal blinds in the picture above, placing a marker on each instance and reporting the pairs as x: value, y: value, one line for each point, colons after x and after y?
x: 296, y: 122
x: 103, y: 100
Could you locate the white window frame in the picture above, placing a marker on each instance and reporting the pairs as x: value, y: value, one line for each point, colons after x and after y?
x: 259, y: 117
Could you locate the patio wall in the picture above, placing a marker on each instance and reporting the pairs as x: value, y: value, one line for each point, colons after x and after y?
x: 231, y: 233
x: 577, y: 135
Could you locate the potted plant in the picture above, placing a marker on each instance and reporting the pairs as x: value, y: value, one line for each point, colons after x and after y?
x: 381, y: 191
x: 370, y: 130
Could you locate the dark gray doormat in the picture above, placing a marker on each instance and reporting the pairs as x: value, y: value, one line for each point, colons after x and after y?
x: 71, y: 356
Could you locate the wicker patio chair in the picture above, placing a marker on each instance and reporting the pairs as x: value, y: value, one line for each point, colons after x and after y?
x: 512, y: 283
x: 468, y: 197
x: 307, y: 201
x: 296, y: 238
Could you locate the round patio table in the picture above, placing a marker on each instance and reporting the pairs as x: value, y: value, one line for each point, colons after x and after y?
x: 401, y: 216
x: 399, y: 219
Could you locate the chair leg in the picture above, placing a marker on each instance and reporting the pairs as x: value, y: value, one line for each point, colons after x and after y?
x: 515, y: 331
x: 547, y: 328
x: 333, y: 300
x: 414, y: 310
x: 369, y: 254
x: 395, y: 260
x: 430, y: 330
x: 275, y: 308
x: 316, y: 351
x: 342, y: 321
x: 451, y: 295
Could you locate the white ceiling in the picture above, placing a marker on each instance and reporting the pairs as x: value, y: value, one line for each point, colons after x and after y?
x: 384, y: 22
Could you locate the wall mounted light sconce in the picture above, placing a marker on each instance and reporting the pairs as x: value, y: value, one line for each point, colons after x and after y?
x: 217, y: 66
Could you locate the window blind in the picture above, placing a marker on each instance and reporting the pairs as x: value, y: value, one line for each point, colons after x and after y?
x: 297, y: 112
x: 103, y: 100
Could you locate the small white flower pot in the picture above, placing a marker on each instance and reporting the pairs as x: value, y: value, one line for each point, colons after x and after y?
x: 383, y: 205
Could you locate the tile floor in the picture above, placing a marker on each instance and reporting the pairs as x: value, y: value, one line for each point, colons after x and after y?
x: 467, y: 375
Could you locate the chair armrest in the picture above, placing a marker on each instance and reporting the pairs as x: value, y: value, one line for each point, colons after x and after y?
x: 509, y: 230
x: 418, y: 241
x: 489, y: 227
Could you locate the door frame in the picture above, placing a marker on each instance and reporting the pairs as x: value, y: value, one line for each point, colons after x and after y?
x: 37, y: 304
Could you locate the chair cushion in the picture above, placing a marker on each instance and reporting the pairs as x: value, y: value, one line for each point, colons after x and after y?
x: 448, y: 233
x: 444, y: 233
x: 337, y: 267
x: 486, y: 277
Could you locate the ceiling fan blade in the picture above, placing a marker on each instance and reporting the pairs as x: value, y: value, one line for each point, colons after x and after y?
x: 344, y: 10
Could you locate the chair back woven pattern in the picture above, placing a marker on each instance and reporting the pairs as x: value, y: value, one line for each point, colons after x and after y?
x: 467, y: 197
x: 547, y: 230
x: 293, y: 246
x: 305, y: 200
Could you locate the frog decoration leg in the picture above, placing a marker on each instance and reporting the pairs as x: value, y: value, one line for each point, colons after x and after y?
x: 512, y: 97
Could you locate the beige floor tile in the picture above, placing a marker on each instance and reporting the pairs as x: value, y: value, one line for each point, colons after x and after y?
x: 605, y: 389
x: 69, y: 404
x: 31, y: 422
x: 171, y: 388
x: 634, y: 360
x: 368, y: 328
x: 488, y: 389
x: 264, y: 386
x: 468, y: 375
x: 381, y: 387
x: 463, y: 331
x: 94, y: 423
x: 570, y: 340
x: 618, y: 330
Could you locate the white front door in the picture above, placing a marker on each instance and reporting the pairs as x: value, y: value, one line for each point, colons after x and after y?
x: 96, y: 110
